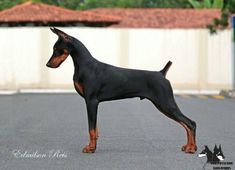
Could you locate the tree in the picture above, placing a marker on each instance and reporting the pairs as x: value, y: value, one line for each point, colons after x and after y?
x: 87, y: 4
x: 72, y: 4
x: 207, y: 3
x: 111, y: 4
x: 166, y: 3
x: 8, y: 3
x: 135, y: 4
x: 230, y: 5
x: 227, y: 8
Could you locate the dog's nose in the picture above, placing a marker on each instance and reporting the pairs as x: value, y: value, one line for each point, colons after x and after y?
x: 48, y: 64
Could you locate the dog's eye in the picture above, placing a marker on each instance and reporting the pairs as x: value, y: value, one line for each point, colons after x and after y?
x: 61, y: 51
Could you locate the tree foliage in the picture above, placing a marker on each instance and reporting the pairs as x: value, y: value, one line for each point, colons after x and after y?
x: 135, y: 4
x: 167, y: 3
x: 87, y: 4
x: 110, y: 3
x: 8, y: 3
x: 207, y: 4
x: 227, y: 8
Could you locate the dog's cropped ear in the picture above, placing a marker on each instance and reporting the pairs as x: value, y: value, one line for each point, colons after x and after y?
x: 52, y: 29
x: 61, y: 34
x: 215, y: 147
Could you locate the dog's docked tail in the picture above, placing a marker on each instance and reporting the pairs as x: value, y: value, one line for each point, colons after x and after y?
x: 166, y: 68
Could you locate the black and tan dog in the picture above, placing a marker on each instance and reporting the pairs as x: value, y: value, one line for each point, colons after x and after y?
x: 97, y: 82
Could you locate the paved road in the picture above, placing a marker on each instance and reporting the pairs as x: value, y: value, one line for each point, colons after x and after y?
x: 52, y: 128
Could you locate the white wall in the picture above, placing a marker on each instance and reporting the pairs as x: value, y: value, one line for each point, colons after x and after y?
x: 200, y: 61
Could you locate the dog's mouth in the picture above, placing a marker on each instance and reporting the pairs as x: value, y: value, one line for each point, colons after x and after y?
x: 55, y: 62
x: 51, y: 65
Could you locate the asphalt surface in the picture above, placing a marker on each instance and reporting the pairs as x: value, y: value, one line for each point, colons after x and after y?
x: 48, y: 132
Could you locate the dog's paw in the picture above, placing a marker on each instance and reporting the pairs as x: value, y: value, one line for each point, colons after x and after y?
x: 189, y: 148
x: 89, y: 149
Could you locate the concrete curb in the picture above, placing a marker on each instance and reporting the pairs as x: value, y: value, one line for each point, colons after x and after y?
x: 228, y: 93
x: 48, y: 91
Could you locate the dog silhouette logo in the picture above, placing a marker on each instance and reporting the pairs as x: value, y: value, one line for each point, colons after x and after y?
x: 212, y: 157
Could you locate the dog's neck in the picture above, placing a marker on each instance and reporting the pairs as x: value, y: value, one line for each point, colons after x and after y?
x: 82, y: 59
x: 80, y: 54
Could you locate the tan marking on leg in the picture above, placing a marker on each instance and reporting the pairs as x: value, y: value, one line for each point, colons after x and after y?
x: 91, y: 147
x: 190, y: 147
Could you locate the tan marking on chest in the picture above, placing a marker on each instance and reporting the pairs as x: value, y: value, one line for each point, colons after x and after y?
x: 79, y: 88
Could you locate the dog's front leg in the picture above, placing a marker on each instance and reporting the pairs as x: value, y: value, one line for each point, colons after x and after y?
x: 92, y: 106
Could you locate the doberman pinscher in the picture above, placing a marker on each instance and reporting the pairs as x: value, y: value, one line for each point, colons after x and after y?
x: 97, y: 82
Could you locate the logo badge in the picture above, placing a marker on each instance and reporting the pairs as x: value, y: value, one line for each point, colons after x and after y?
x: 212, y: 157
x: 215, y: 158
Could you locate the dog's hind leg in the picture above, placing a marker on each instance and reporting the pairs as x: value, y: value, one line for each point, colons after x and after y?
x: 165, y: 102
x: 172, y: 111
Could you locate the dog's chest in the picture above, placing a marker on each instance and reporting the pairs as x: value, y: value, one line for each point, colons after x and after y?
x: 79, y: 88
